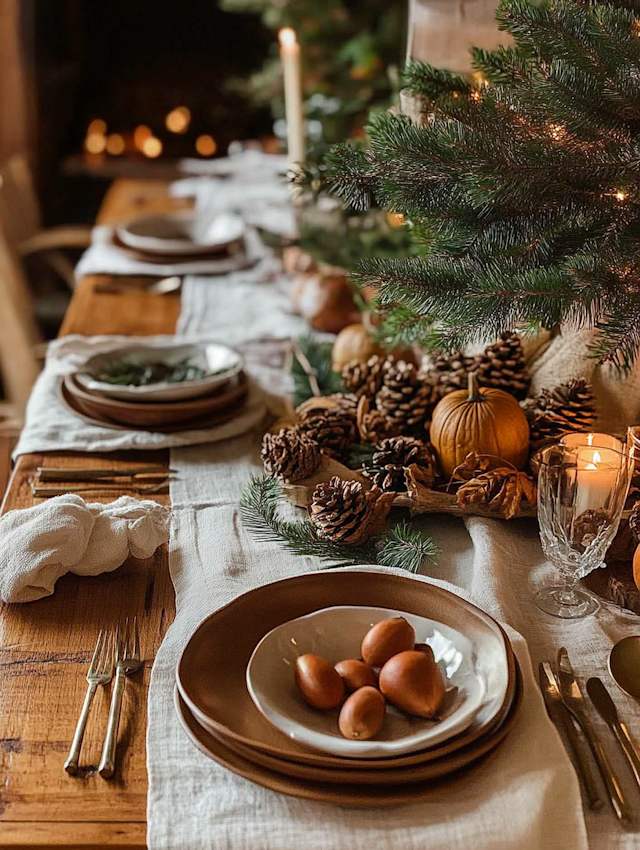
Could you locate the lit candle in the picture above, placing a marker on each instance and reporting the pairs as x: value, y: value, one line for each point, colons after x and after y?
x: 599, y: 441
x: 597, y: 475
x: 291, y: 70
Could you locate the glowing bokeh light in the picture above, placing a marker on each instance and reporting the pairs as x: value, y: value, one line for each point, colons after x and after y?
x: 206, y: 145
x: 115, y: 144
x: 95, y: 143
x: 178, y: 120
x: 152, y: 147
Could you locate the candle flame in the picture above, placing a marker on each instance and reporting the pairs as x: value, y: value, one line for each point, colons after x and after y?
x: 596, y: 457
x: 287, y: 37
x: 590, y: 440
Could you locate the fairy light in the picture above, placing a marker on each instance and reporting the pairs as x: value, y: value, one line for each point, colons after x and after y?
x: 621, y: 196
x: 178, y: 120
x: 152, y: 147
x: 206, y: 145
x: 140, y: 136
x: 557, y: 131
x: 475, y: 95
x: 95, y: 143
x: 115, y: 144
x: 97, y: 127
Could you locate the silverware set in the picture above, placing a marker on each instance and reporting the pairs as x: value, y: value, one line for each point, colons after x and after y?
x: 101, y: 480
x: 566, y: 707
x: 116, y: 653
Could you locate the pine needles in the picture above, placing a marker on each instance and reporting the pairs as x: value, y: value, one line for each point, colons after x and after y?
x: 402, y: 547
x: 523, y: 187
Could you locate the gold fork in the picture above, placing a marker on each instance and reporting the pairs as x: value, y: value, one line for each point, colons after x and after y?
x: 100, y: 672
x: 127, y: 662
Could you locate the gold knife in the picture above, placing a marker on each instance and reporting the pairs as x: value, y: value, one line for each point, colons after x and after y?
x: 574, y: 701
x: 560, y: 716
x: 606, y: 708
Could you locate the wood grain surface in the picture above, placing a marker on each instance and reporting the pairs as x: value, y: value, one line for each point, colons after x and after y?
x: 46, y: 646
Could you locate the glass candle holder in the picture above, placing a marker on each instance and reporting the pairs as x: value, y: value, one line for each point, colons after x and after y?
x: 581, y: 495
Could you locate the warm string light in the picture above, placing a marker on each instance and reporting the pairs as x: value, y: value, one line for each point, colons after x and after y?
x: 206, y: 145
x: 97, y: 127
x: 152, y: 147
x: 621, y: 196
x: 178, y: 120
x: 115, y: 144
x: 557, y: 131
x: 95, y: 143
x: 140, y: 136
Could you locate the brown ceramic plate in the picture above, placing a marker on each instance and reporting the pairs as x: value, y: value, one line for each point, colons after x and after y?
x: 211, y: 672
x: 391, y: 792
x: 209, y: 420
x: 433, y: 763
x: 226, y: 400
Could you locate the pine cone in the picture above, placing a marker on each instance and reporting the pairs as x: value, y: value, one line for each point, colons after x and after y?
x: 290, y: 456
x: 366, y: 378
x: 569, y: 407
x: 500, y: 490
x: 406, y: 400
x: 393, y: 456
x: 344, y: 512
x: 333, y: 430
x: 503, y: 366
x: 373, y: 426
x: 634, y: 521
x: 588, y: 525
x: 448, y: 373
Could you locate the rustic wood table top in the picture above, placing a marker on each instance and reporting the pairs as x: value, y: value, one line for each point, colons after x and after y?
x: 46, y: 646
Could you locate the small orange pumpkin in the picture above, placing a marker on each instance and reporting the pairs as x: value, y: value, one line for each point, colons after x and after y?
x: 354, y: 342
x: 483, y: 420
x: 636, y: 567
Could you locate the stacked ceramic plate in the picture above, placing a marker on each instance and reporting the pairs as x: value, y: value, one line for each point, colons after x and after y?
x: 237, y: 701
x: 204, y: 386
x: 185, y: 236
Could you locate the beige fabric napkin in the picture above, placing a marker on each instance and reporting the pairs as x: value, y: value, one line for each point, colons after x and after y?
x: 66, y: 534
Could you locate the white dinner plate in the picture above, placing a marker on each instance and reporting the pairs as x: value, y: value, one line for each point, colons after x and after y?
x: 182, y: 233
x: 336, y: 634
x: 221, y: 361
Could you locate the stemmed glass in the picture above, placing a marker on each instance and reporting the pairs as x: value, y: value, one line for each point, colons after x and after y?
x: 581, y: 495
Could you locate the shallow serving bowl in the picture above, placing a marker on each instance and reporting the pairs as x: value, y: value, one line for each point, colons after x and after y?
x: 182, y: 233
x: 335, y: 634
x: 211, y: 673
x: 223, y: 363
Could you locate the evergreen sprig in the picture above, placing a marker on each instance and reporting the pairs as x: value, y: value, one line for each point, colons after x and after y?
x: 523, y: 186
x: 314, y: 355
x: 259, y: 512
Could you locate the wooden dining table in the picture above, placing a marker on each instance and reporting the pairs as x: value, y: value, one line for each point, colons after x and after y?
x: 46, y: 646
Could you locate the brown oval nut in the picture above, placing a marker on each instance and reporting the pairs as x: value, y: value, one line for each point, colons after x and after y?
x: 386, y: 639
x: 362, y: 715
x: 318, y: 682
x: 412, y: 681
x: 356, y: 674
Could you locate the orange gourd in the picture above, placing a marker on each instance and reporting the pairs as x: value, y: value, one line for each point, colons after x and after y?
x: 484, y: 420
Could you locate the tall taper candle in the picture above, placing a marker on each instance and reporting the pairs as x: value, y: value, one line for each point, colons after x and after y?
x: 291, y: 69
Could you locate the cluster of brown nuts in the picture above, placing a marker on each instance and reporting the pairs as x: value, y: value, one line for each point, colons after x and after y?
x: 408, y: 678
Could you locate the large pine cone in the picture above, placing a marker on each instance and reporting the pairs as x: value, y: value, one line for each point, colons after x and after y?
x: 290, y: 456
x: 448, y: 373
x: 567, y: 408
x: 373, y: 426
x: 333, y: 430
x: 503, y: 366
x: 393, y: 456
x: 344, y: 512
x: 406, y: 400
x: 366, y: 378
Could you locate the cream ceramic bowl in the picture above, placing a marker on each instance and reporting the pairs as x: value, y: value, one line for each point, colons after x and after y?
x: 223, y: 363
x: 337, y: 633
x: 182, y: 233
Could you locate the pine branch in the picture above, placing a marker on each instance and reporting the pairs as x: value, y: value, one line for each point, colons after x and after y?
x: 407, y: 549
x: 401, y: 548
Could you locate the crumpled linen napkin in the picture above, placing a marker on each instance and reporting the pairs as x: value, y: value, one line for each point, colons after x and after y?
x: 66, y: 534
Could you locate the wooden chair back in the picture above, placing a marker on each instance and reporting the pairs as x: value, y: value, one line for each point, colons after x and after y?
x: 19, y: 206
x: 18, y: 332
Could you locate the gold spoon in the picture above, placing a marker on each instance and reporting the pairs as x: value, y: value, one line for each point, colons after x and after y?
x: 624, y: 665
